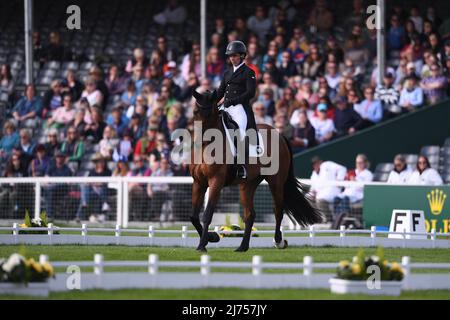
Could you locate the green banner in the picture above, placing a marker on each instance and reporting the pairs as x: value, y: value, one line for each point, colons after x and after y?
x: 379, y: 201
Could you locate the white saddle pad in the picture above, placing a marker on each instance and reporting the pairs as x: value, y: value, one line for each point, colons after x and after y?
x: 253, y: 149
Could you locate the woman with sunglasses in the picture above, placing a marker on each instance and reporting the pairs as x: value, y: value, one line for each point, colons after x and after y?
x: 424, y: 174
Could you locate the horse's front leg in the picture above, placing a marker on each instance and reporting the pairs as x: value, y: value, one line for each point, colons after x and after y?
x: 198, y: 196
x: 206, y: 236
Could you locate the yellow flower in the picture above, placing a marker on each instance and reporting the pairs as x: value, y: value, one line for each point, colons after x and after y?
x: 29, y: 262
x: 396, y: 267
x: 48, y: 268
x: 344, y: 263
x: 385, y: 263
x: 356, y: 269
x: 37, y: 267
x: 23, y: 225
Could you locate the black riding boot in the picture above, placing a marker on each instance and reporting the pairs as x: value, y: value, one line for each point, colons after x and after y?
x: 242, y: 168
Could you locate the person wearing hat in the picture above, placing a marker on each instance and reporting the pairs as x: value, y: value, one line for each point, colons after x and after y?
x: 147, y: 143
x: 346, y: 120
x: 237, y: 88
x: 322, y: 124
x: 388, y: 95
x: 58, y: 168
x: 96, y: 191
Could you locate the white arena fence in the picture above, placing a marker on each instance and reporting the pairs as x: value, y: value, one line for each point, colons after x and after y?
x: 189, y: 238
x: 127, y: 198
x: 300, y: 275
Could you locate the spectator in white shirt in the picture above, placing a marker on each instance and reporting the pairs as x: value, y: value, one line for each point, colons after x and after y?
x: 323, y: 172
x: 333, y: 76
x: 260, y: 114
x: 401, y: 172
x: 362, y: 174
x: 424, y: 174
x: 324, y: 127
x: 411, y: 96
x: 259, y: 24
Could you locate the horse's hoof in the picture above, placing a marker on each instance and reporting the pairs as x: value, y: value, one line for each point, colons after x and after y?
x: 201, y: 249
x: 213, y: 237
x: 241, y: 249
x: 283, y: 244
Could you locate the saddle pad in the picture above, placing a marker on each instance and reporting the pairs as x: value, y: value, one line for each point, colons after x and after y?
x: 252, y: 149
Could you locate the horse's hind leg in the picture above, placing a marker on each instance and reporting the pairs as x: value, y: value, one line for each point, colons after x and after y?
x: 277, y: 190
x: 247, y: 193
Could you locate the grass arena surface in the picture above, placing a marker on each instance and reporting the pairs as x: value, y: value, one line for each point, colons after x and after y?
x: 292, y: 254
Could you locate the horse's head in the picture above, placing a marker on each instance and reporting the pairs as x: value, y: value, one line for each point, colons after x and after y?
x: 206, y: 109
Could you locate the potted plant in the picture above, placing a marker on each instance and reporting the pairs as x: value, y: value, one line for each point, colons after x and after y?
x: 21, y: 276
x: 40, y: 222
x: 225, y: 230
x: 372, y: 275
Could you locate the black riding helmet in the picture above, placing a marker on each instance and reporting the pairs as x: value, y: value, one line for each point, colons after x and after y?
x: 236, y: 47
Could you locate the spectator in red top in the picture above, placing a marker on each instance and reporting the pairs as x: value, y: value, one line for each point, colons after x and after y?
x: 147, y: 143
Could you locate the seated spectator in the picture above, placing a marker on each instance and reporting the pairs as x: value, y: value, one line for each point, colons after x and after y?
x: 60, y: 190
x: 52, y: 98
x: 369, y: 109
x: 91, y: 93
x: 314, y: 63
x: 124, y: 147
x: 52, y: 145
x: 388, y: 96
x: 139, y: 108
x: 346, y: 120
x: 55, y: 50
x: 130, y: 94
x: 160, y: 192
x: 38, y: 166
x: 73, y: 149
x: 424, y: 174
x: 26, y: 146
x: 259, y: 24
x: 72, y: 85
x: 136, y: 127
x: 396, y: 36
x: 411, y: 96
x: 401, y: 172
x: 320, y: 19
x: 306, y: 92
x: 97, y: 126
x: 138, y: 59
x: 352, y: 195
x: 6, y: 84
x: 137, y: 192
x: 324, y: 172
x: 95, y: 191
x: 27, y: 109
x: 268, y: 101
x: 435, y: 86
x: 114, y: 82
x: 147, y: 143
x: 304, y: 134
x: 172, y: 14
x: 356, y: 50
x: 260, y: 114
x: 333, y: 76
x: 63, y: 115
x: 214, y: 66
x: 96, y: 74
x: 8, y: 141
x: 79, y: 123
x: 139, y: 80
x: 287, y: 67
x: 323, y: 126
x: 109, y: 143
x: 161, y: 148
x: 122, y: 168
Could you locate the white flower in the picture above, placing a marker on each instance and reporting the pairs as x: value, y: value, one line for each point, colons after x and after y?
x: 36, y: 221
x: 375, y: 259
x: 13, y: 261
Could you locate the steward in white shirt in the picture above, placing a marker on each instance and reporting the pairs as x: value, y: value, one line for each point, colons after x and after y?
x: 401, y: 172
x: 424, y: 174
x: 325, y: 171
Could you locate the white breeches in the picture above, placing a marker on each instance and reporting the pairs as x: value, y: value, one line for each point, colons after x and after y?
x: 238, y: 114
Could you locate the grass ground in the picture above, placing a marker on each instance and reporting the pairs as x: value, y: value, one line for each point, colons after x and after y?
x: 292, y: 254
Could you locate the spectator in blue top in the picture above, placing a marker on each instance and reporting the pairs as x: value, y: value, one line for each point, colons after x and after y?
x: 396, y: 34
x: 118, y: 120
x: 26, y: 110
x: 8, y: 141
x: 40, y: 163
x: 369, y: 109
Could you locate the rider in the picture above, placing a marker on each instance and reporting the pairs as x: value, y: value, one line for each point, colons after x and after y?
x: 238, y: 88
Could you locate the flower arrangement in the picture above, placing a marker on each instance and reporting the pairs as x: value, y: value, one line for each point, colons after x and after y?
x: 225, y: 231
x: 40, y: 222
x: 357, y: 269
x: 18, y: 269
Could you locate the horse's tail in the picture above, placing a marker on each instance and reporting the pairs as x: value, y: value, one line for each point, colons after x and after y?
x: 296, y: 201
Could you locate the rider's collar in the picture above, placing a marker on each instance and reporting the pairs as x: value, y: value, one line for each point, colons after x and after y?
x: 235, y: 68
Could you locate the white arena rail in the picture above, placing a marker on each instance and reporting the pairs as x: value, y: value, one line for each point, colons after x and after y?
x: 189, y: 238
x: 121, y: 185
x: 302, y: 274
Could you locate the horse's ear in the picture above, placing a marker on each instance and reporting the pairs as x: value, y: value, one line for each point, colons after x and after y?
x: 196, y: 95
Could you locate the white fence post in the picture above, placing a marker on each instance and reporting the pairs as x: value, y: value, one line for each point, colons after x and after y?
x: 15, y: 232
x: 37, y: 200
x: 84, y: 232
x: 257, y: 270
x: 373, y: 235
x: 311, y: 234
x: 117, y: 233
x: 433, y: 237
x: 50, y: 229
x: 153, y: 264
x: 406, y: 265
x: 151, y: 234
x: 98, y: 264
x: 125, y: 203
x: 184, y: 235
x: 342, y: 234
x: 205, y: 268
x: 308, y: 269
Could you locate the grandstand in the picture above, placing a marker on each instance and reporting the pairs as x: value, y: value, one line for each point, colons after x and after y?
x: 113, y: 30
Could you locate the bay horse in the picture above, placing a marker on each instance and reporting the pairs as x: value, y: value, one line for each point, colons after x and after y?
x: 287, y: 192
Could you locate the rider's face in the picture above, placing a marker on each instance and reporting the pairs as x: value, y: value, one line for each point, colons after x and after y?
x: 235, y: 59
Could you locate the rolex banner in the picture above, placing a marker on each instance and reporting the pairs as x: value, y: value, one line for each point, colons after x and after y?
x: 379, y: 201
